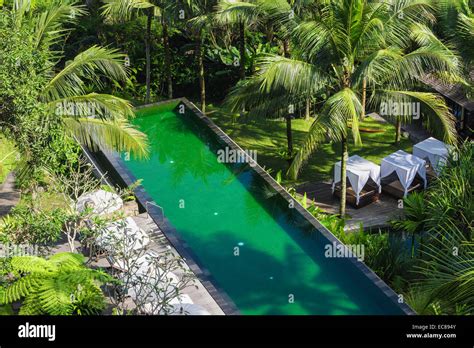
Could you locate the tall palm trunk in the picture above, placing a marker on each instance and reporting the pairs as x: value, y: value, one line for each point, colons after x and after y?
x: 308, y: 109
x: 242, y: 50
x: 289, y: 137
x: 286, y: 48
x: 364, y: 96
x: 202, y: 80
x: 148, y: 53
x: 166, y: 47
x: 398, y: 130
x: 344, y: 158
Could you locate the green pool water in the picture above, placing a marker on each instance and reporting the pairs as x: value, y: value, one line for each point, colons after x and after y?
x: 279, y: 265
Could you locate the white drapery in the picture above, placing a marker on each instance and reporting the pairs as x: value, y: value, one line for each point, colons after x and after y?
x: 433, y: 150
x: 406, y: 166
x: 359, y: 170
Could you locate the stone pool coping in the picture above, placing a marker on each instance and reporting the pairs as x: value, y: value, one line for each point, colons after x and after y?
x: 219, y: 295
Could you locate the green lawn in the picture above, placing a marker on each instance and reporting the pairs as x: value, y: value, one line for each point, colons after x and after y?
x: 8, y: 157
x: 269, y: 136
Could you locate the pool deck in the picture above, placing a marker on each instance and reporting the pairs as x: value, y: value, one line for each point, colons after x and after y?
x: 372, y: 216
x: 160, y: 244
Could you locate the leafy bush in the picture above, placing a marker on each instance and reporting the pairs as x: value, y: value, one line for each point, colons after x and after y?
x: 60, y: 285
x: 445, y: 264
x: 25, y: 226
x: 385, y: 254
x: 446, y: 271
x: 449, y: 200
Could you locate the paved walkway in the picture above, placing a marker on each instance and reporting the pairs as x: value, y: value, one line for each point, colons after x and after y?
x: 9, y: 195
x: 159, y: 243
x: 197, y: 292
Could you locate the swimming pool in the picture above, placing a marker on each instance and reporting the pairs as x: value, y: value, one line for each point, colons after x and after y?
x: 265, y: 254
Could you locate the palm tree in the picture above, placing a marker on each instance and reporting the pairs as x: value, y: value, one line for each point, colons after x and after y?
x: 456, y: 23
x: 242, y: 14
x: 199, y: 27
x: 344, y: 42
x: 120, y: 10
x: 414, y: 219
x: 89, y: 116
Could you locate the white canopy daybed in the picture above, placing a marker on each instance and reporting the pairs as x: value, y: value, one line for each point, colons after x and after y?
x: 406, y: 166
x: 359, y: 170
x: 433, y: 150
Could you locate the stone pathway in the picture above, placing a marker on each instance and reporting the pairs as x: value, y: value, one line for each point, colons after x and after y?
x: 9, y: 195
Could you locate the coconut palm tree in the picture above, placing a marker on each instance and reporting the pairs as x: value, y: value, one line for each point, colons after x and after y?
x: 123, y: 10
x: 199, y: 25
x: 166, y: 10
x: 243, y: 15
x: 388, y: 44
x: 456, y: 23
x: 68, y: 92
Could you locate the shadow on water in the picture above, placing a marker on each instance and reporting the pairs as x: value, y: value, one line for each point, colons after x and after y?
x: 321, y: 289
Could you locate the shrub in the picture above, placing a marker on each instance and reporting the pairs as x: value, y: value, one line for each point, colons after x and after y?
x: 25, y: 226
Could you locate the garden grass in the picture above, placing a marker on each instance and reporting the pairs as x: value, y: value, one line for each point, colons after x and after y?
x: 268, y: 138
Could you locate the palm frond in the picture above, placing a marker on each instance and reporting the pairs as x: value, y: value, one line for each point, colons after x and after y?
x: 50, y: 23
x: 115, y: 134
x: 91, y: 65
x: 123, y: 10
x: 234, y: 12
x: 316, y: 135
x: 294, y: 76
x: 438, y: 117
x: 102, y: 106
x: 338, y: 110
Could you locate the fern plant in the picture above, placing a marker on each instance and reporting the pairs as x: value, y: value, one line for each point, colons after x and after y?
x: 59, y: 285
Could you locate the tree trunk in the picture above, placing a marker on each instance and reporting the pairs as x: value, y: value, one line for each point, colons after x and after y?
x: 364, y: 96
x: 286, y: 48
x: 202, y: 81
x: 344, y: 157
x: 398, y: 130
x: 148, y: 53
x: 289, y: 136
x: 242, y: 50
x: 308, y: 109
x: 166, y: 47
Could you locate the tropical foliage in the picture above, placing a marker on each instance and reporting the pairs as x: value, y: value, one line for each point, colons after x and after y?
x: 293, y: 79
x: 442, y: 217
x: 59, y: 285
x: 359, y: 49
x: 60, y: 92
